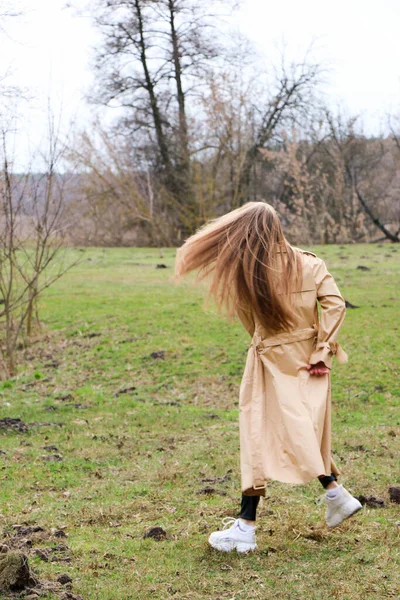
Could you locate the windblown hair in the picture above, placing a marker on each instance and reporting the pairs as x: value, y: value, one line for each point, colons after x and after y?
x: 253, y: 267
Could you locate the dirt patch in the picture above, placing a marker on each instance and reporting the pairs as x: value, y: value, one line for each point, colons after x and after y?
x: 210, y: 491
x: 23, y: 536
x: 17, y: 579
x: 394, y: 494
x: 52, y: 458
x: 14, y: 572
x: 125, y: 391
x: 13, y: 424
x: 64, y: 579
x: 59, y: 553
x: 214, y: 480
x: 52, y: 364
x: 156, y: 533
x: 158, y: 354
x: 356, y: 448
x: 371, y: 501
x: 65, y: 397
x: 22, y: 531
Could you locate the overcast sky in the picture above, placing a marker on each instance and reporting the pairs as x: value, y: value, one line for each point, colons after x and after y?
x: 49, y: 49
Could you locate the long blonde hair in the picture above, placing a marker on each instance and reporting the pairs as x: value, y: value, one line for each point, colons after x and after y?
x: 252, y: 265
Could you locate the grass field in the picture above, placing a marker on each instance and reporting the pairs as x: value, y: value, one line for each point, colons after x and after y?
x: 130, y: 395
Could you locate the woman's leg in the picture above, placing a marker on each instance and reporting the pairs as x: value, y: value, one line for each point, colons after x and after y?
x: 241, y: 535
x: 340, y: 503
x: 249, y: 509
x: 329, y: 482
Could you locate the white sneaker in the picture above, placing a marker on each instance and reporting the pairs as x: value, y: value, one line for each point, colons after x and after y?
x: 233, y: 538
x: 343, y: 506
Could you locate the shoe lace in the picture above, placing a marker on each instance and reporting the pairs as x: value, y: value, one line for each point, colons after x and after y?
x: 228, y: 521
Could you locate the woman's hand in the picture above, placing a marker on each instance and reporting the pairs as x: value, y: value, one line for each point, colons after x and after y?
x: 319, y: 368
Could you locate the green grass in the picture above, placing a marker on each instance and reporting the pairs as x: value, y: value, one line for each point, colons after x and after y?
x: 135, y: 460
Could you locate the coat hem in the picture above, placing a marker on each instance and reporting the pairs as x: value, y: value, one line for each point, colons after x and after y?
x: 250, y: 491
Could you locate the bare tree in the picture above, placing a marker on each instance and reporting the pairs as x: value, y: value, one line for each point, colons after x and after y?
x: 301, y: 193
x: 32, y: 230
x: 371, y: 170
x: 116, y: 202
x: 8, y: 92
x: 245, y: 113
x: 153, y: 56
x: 291, y: 100
x: 227, y: 132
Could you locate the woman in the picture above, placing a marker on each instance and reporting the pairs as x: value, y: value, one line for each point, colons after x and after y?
x: 285, y: 392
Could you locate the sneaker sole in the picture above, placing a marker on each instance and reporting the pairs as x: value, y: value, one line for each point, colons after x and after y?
x: 240, y: 547
x: 346, y: 517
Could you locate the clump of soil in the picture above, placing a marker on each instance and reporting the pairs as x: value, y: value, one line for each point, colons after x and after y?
x: 22, y: 531
x: 125, y: 391
x: 158, y: 354
x: 223, y: 479
x: 53, y: 458
x: 156, y: 533
x: 64, y: 579
x: 371, y: 501
x: 14, y: 571
x: 394, y: 494
x: 57, y: 553
x: 15, y: 575
x: 356, y: 448
x: 210, y: 491
x: 14, y: 424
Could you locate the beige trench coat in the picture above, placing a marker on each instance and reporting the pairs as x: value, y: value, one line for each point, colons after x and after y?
x: 285, y: 414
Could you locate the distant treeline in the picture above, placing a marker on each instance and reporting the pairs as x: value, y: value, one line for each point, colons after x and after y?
x: 204, y: 125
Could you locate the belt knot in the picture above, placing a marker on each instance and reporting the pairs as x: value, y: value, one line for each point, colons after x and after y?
x: 338, y: 351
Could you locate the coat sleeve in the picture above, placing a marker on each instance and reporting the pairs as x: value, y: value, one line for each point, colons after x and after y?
x: 333, y: 311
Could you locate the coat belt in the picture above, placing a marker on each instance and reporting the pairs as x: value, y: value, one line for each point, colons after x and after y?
x: 261, y: 344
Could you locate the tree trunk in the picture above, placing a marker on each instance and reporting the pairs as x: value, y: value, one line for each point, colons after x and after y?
x: 185, y: 192
x: 161, y: 140
x: 388, y: 234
